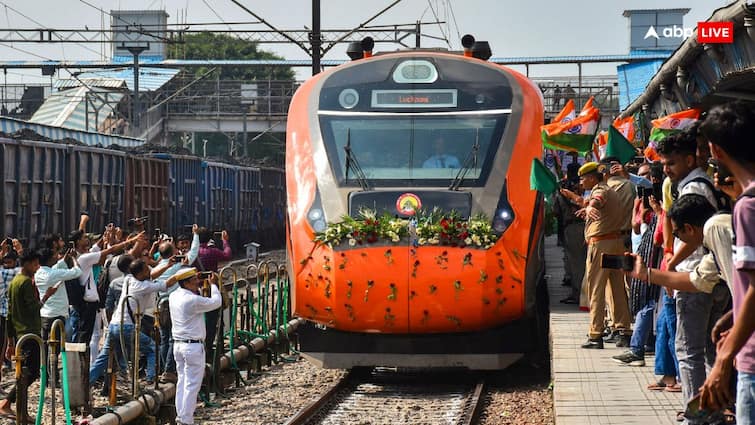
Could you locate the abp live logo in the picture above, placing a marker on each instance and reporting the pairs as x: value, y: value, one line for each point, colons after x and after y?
x: 715, y: 32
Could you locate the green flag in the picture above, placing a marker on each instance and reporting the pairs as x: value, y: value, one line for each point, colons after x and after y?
x: 619, y: 147
x: 541, y: 178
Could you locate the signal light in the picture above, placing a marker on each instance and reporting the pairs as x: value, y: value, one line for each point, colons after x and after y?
x: 467, y: 42
x: 367, y: 45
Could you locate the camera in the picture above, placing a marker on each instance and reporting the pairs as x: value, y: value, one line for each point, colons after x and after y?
x: 156, y: 234
x: 137, y: 220
x: 715, y: 167
x: 617, y: 262
x: 9, y: 242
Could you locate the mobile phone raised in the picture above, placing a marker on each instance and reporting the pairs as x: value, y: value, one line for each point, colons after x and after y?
x: 617, y: 262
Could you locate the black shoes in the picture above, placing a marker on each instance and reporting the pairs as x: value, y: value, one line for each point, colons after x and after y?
x: 612, y: 337
x: 593, y: 343
x: 569, y: 300
x: 629, y: 359
x: 623, y: 340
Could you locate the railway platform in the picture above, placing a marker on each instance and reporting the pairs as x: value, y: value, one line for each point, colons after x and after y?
x: 589, y: 387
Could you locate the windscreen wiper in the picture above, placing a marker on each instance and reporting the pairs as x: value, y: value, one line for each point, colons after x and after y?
x: 353, y: 164
x: 469, y: 162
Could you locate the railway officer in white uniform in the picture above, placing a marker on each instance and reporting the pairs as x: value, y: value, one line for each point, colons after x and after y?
x: 187, y: 307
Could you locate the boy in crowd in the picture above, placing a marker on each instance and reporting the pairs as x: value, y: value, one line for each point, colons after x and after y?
x: 729, y: 129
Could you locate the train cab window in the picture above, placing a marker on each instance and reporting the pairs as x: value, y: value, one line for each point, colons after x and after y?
x: 413, y: 149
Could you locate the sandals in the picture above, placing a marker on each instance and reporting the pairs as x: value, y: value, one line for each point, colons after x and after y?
x: 657, y: 386
x: 676, y: 388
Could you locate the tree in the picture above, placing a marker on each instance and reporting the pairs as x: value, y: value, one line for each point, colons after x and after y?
x: 207, y: 45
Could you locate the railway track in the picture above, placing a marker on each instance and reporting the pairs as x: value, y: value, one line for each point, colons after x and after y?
x: 384, y: 396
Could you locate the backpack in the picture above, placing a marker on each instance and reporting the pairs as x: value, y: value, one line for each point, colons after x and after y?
x: 75, y: 292
x: 103, y: 282
x: 723, y: 203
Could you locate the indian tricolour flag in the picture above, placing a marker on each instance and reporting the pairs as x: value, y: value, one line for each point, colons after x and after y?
x: 670, y: 124
x: 570, y: 132
x: 625, y: 127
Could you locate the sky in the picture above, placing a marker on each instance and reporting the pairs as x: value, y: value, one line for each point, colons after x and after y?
x: 512, y: 27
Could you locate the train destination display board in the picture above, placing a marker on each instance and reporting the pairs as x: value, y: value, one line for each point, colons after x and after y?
x: 436, y: 98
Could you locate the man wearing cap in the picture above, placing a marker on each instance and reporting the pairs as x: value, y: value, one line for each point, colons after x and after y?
x: 187, y: 307
x: 603, y: 224
x: 618, y: 181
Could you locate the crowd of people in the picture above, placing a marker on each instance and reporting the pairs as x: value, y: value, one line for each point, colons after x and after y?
x: 670, y: 246
x: 104, y: 287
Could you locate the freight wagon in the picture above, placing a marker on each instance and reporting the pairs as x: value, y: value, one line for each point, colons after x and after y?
x: 47, y: 185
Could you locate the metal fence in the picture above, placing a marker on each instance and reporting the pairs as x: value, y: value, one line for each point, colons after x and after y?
x: 233, y: 97
x: 558, y: 90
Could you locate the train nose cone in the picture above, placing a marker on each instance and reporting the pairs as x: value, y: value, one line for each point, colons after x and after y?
x: 402, y: 289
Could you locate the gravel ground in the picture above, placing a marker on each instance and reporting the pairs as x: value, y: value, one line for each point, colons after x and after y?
x: 274, y: 396
x: 519, y: 395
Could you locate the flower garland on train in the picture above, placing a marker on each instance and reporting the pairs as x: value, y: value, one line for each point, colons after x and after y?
x: 426, y: 228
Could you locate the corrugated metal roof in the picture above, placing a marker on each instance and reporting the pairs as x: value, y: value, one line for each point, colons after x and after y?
x: 115, y: 83
x: 150, y: 79
x: 68, y: 108
x: 11, y: 125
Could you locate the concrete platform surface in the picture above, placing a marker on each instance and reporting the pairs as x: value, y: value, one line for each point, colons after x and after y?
x: 588, y: 386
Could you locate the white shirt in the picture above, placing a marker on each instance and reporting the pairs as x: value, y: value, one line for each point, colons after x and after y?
x: 186, y: 309
x: 690, y: 263
x: 191, y: 257
x: 718, y: 237
x: 45, y: 277
x: 86, y: 263
x: 142, y: 290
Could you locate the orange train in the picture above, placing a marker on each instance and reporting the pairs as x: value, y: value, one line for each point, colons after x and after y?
x: 402, y: 133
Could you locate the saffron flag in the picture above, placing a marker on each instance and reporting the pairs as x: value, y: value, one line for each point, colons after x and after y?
x: 626, y: 127
x: 542, y: 179
x: 618, y: 146
x: 568, y: 132
x: 670, y: 124
x: 599, y: 150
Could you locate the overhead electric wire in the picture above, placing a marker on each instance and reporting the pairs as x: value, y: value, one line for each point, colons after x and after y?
x: 216, y: 13
x: 42, y: 25
x: 453, y: 16
x: 443, y: 33
x: 138, y: 29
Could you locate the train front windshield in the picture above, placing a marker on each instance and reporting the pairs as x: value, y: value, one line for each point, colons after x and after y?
x: 413, y: 149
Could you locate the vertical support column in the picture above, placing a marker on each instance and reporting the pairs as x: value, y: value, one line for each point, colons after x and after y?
x: 315, y: 42
x: 135, y: 106
x: 418, y: 35
x: 243, y: 137
x: 579, y: 85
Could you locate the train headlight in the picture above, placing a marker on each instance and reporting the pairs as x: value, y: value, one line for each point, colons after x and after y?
x: 415, y: 71
x: 316, y: 215
x: 348, y: 98
x: 319, y: 226
x: 503, y: 219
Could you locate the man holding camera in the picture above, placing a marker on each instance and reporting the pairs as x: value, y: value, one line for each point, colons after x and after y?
x: 187, y: 307
x: 87, y: 257
x: 184, y: 257
x: 604, y: 221
x: 209, y: 258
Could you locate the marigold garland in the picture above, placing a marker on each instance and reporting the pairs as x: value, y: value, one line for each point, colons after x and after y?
x: 432, y: 228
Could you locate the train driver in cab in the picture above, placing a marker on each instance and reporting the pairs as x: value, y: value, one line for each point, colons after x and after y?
x: 441, y: 158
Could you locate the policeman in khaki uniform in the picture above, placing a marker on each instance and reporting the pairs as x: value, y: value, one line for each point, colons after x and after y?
x: 603, y: 224
x: 187, y: 307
